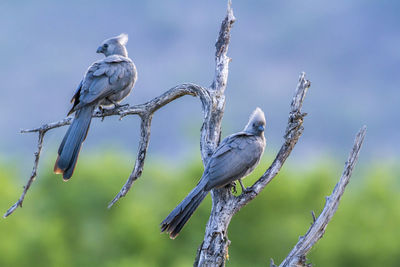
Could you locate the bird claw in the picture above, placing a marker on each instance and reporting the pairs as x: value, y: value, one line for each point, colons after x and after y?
x: 101, y: 110
x: 118, y: 106
x: 246, y: 190
x: 232, y: 186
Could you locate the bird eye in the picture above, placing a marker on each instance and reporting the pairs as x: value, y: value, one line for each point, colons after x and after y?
x: 105, y: 45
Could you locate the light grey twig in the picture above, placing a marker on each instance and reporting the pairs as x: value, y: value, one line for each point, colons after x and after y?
x: 31, y: 178
x: 297, y: 256
x: 139, y: 163
x: 313, y: 217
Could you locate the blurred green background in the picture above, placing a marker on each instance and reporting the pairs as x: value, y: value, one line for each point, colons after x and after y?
x: 68, y: 224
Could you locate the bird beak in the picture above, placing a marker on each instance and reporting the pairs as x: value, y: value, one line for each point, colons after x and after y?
x: 100, y: 49
x: 261, y: 128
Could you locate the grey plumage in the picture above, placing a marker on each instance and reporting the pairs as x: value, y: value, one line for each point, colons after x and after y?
x: 105, y: 83
x: 235, y: 158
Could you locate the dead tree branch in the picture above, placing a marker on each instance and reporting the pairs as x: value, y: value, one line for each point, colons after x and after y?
x: 31, y: 178
x: 145, y: 111
x: 214, y: 249
x: 297, y: 256
x: 214, y: 237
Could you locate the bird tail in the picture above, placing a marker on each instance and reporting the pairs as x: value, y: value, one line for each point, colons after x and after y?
x: 72, y: 142
x: 181, y: 214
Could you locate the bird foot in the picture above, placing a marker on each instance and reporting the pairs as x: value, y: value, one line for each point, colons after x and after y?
x: 246, y: 190
x: 101, y: 110
x: 232, y: 186
x: 118, y: 106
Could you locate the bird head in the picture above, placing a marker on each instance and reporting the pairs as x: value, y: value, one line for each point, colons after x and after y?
x: 256, y: 124
x: 114, y: 46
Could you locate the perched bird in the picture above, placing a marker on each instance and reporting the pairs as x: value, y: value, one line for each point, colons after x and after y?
x: 235, y: 158
x: 105, y: 83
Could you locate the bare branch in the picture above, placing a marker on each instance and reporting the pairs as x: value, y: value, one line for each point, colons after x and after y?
x: 221, y: 47
x: 32, y: 178
x: 145, y: 111
x: 297, y: 256
x: 45, y: 127
x: 214, y: 248
x: 293, y: 132
x: 225, y: 205
x: 148, y: 107
x: 146, y: 114
x: 158, y: 102
x: 141, y: 155
x: 211, y: 128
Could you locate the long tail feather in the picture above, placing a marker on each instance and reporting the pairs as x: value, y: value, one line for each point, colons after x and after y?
x: 72, y: 142
x: 175, y: 221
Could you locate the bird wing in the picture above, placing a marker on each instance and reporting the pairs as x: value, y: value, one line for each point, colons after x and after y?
x: 236, y: 157
x: 104, y: 78
x: 75, y: 98
x: 77, y: 92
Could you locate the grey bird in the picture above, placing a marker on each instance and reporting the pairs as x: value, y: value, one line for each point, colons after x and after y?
x: 105, y: 83
x: 235, y: 158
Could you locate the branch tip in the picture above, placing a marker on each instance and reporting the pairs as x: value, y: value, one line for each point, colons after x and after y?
x: 317, y: 229
x: 313, y: 217
x: 229, y: 12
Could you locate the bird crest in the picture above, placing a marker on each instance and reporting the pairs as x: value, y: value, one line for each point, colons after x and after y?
x: 122, y: 38
x: 257, y: 116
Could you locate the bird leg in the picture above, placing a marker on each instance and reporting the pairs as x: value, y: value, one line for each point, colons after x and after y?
x: 101, y: 109
x: 120, y: 106
x: 116, y: 105
x: 232, y: 186
x: 244, y: 189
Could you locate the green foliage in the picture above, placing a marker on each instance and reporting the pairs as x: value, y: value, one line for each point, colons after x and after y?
x: 68, y: 224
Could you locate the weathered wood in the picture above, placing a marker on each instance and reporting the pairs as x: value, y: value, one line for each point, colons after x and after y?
x: 297, y: 257
x: 31, y: 178
x: 145, y: 111
x: 214, y: 248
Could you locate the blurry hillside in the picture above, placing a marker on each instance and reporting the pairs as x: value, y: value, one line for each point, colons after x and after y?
x: 349, y: 49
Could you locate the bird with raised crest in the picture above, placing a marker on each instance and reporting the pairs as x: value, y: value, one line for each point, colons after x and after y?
x: 235, y: 158
x: 106, y: 82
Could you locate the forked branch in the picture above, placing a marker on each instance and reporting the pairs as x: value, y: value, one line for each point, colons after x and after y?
x: 145, y: 111
x: 214, y: 248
